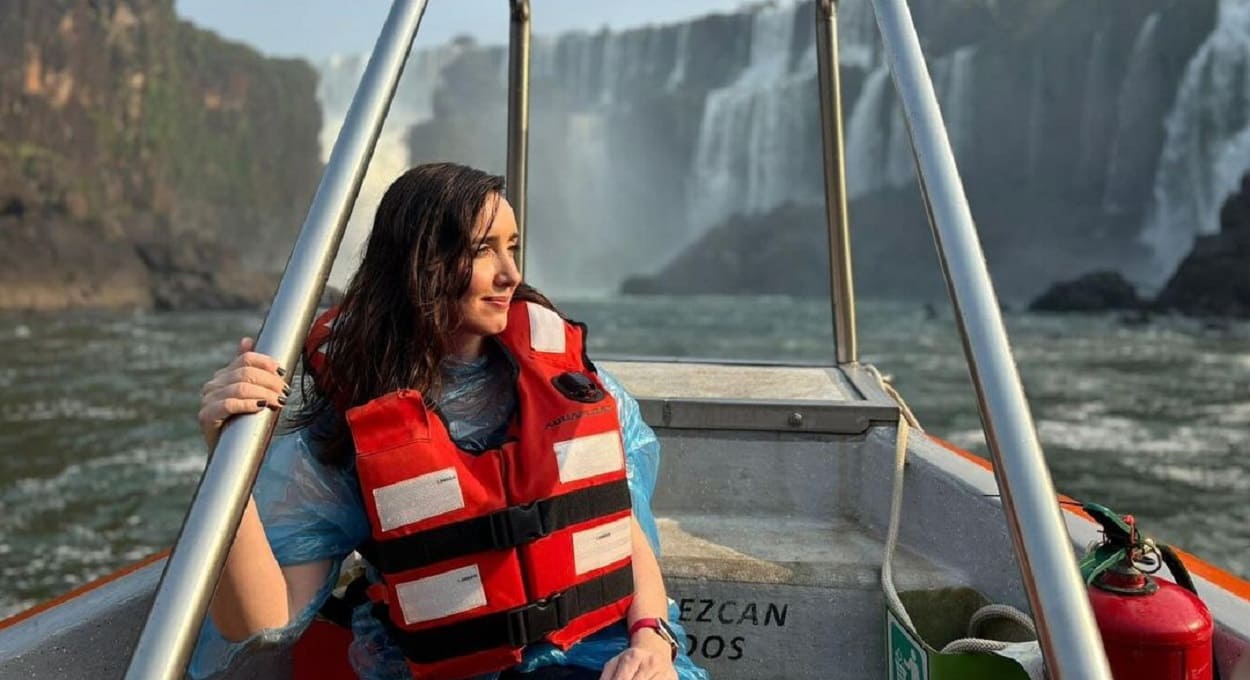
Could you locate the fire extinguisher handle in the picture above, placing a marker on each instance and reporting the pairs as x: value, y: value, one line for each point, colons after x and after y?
x: 1115, y: 528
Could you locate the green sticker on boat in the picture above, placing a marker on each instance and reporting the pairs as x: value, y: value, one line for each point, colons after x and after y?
x: 908, y: 660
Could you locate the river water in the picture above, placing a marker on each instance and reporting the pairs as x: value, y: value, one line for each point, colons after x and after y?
x: 99, y: 450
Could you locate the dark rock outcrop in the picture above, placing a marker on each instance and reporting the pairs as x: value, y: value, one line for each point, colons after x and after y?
x: 1094, y: 292
x: 202, y: 275
x: 1214, y: 279
x: 124, y: 133
x: 769, y: 254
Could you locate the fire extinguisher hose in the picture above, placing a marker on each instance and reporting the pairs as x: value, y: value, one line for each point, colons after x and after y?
x: 1180, y: 574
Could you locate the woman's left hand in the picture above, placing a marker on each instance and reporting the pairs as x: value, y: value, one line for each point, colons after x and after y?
x: 645, y: 660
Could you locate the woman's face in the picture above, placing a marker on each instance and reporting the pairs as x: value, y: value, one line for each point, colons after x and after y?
x: 484, y: 306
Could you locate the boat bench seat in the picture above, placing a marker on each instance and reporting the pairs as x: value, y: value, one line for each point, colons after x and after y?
x: 776, y: 597
x: 761, y: 492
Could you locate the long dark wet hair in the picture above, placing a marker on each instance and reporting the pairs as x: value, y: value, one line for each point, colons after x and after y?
x: 400, y: 311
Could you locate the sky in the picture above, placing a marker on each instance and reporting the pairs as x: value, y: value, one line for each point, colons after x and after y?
x: 315, y: 29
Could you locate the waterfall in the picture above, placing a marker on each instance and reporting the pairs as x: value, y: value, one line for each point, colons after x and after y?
x: 677, y: 77
x: 413, y: 103
x: 1094, y: 123
x: 858, y: 44
x: 642, y: 140
x: 753, y: 137
x: 1207, y: 146
x: 867, y: 138
x: 1141, y: 88
x: 755, y: 146
x: 955, y: 94
x: 878, y: 145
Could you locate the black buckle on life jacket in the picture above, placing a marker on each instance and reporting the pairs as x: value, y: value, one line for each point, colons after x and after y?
x: 578, y: 387
x: 533, y: 622
x: 519, y: 524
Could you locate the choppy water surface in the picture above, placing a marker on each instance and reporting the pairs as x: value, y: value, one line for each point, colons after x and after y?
x: 99, y: 450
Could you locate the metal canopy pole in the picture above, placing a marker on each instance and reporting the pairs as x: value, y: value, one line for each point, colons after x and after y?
x: 519, y: 115
x: 191, y: 572
x: 841, y: 282
x: 1069, y: 639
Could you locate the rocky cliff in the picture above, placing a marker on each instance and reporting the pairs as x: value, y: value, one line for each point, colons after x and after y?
x: 1214, y: 278
x: 645, y: 141
x: 144, y: 162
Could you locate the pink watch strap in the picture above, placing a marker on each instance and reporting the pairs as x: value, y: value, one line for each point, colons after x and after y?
x: 644, y: 623
x: 660, y: 628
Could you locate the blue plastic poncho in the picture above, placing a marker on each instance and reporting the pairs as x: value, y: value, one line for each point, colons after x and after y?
x: 314, y: 512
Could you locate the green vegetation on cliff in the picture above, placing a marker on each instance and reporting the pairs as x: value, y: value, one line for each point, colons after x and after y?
x: 125, y: 132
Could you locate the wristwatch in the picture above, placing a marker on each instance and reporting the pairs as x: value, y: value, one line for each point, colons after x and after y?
x: 660, y: 626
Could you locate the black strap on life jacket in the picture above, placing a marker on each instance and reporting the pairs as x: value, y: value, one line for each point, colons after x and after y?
x: 515, y: 628
x: 507, y: 528
x: 338, y: 610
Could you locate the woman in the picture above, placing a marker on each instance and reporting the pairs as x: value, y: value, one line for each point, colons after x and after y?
x: 457, y: 437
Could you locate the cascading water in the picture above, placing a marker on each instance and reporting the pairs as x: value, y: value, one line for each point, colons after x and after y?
x: 759, y: 140
x: 755, y: 148
x: 867, y: 138
x: 857, y: 35
x: 1207, y: 148
x: 751, y: 139
x: 1142, y: 88
x: 1094, y: 114
x: 645, y: 139
x: 677, y: 77
x: 955, y: 95
x: 413, y: 104
x: 878, y: 147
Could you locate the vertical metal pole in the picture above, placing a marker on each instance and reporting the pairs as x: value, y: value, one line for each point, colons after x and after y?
x: 519, y: 115
x: 1065, y: 624
x: 841, y: 282
x: 192, y: 570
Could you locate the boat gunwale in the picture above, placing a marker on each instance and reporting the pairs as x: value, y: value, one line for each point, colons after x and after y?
x: 79, y: 591
x: 1234, y: 585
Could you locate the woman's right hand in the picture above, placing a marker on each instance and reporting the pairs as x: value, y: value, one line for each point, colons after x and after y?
x: 250, y: 383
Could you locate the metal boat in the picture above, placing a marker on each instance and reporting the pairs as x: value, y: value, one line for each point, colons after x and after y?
x: 776, y: 492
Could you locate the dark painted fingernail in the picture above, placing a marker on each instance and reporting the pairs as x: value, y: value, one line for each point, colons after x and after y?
x: 286, y: 390
x: 282, y: 401
x: 262, y: 403
x: 281, y: 372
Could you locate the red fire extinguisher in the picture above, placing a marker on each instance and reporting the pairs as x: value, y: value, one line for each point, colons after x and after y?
x: 1152, y: 628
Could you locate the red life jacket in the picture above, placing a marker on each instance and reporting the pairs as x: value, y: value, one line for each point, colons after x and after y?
x: 483, y: 554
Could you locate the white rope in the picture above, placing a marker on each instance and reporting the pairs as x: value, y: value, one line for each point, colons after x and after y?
x: 896, y: 500
x: 1007, y: 612
x: 990, y: 612
x: 971, y: 644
